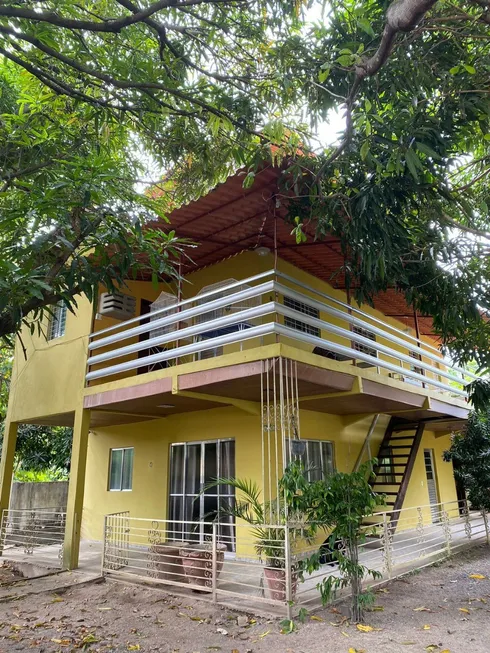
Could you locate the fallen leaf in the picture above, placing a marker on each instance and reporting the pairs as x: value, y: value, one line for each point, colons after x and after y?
x: 377, y: 608
x: 477, y: 576
x: 344, y: 633
x: 446, y: 650
x: 235, y: 650
x: 426, y: 627
x: 364, y: 629
x: 262, y: 635
x: 101, y: 607
x: 465, y: 610
x: 356, y: 650
x: 315, y: 618
x: 134, y: 647
x: 57, y: 599
x: 421, y: 609
x: 408, y: 643
x: 432, y: 647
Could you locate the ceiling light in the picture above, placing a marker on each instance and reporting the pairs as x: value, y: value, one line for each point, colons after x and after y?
x: 166, y: 406
x: 262, y: 250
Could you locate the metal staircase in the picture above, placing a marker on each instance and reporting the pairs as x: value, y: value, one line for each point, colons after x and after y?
x: 396, y: 459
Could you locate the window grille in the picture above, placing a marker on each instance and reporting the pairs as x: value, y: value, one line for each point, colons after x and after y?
x: 364, y: 349
x: 306, y: 309
x: 57, y: 321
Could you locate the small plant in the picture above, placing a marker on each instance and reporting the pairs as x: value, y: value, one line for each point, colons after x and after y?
x: 270, y: 521
x: 337, y: 504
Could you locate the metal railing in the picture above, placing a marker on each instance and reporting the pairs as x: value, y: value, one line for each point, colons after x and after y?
x: 251, y: 312
x: 36, y: 531
x: 423, y: 535
x: 227, y: 565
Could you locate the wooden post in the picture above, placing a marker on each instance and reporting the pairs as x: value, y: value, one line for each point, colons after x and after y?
x: 7, y: 464
x: 76, y: 488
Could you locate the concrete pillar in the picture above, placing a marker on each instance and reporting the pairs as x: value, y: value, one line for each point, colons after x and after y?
x: 76, y: 487
x: 7, y: 463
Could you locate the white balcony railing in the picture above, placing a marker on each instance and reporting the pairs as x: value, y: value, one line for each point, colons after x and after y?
x: 263, y: 309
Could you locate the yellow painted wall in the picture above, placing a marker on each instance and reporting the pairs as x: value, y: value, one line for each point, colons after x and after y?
x: 50, y: 380
x: 417, y: 493
x: 151, y: 441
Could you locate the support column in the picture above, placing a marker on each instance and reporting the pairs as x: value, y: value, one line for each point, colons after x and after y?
x: 7, y: 463
x: 71, y: 546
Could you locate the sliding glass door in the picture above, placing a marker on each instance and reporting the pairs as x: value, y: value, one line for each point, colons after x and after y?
x: 193, y: 465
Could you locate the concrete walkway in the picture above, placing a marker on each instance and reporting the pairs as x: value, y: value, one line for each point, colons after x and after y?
x: 48, y: 556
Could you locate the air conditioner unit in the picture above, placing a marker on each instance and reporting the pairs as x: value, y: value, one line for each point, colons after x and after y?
x: 164, y: 300
x: 221, y: 291
x: 117, y: 305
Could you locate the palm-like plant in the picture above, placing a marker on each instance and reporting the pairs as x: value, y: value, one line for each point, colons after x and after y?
x: 269, y: 519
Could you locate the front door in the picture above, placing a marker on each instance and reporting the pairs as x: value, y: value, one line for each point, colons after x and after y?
x: 432, y: 484
x: 193, y: 465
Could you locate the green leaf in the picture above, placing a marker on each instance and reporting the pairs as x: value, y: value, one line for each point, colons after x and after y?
x: 455, y: 70
x: 425, y: 149
x: 469, y: 69
x: 413, y: 162
x: 364, y: 151
x: 365, y: 25
x: 323, y: 74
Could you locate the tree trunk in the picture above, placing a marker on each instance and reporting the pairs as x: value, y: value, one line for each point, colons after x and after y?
x: 356, y: 582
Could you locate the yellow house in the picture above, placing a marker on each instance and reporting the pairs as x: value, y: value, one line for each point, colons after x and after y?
x: 256, y: 357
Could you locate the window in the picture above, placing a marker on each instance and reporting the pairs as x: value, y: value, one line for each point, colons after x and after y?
x: 57, y: 321
x: 306, y: 309
x: 364, y: 349
x: 318, y: 458
x: 121, y: 469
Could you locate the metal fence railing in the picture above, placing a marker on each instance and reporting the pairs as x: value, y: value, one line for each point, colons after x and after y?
x: 36, y: 531
x: 228, y: 565
x: 266, y: 308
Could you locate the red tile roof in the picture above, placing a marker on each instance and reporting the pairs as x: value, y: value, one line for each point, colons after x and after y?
x: 231, y: 219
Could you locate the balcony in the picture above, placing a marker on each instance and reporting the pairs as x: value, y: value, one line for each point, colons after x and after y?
x: 267, y: 308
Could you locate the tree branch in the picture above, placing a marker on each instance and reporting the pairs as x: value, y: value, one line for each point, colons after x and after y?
x: 110, y: 25
x: 401, y: 16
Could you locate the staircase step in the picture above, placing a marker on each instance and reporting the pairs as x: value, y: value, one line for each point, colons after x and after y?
x: 399, y: 446
x: 384, y: 482
x: 387, y: 454
x: 402, y: 437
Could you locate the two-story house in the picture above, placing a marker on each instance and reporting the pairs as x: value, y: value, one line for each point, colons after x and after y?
x: 257, y: 356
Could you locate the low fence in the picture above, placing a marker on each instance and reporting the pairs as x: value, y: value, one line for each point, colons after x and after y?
x: 34, y: 531
x: 262, y: 564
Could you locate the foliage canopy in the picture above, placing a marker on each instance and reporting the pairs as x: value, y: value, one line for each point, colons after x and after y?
x: 470, y: 454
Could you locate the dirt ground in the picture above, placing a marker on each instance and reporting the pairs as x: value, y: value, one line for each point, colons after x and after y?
x: 438, y: 610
